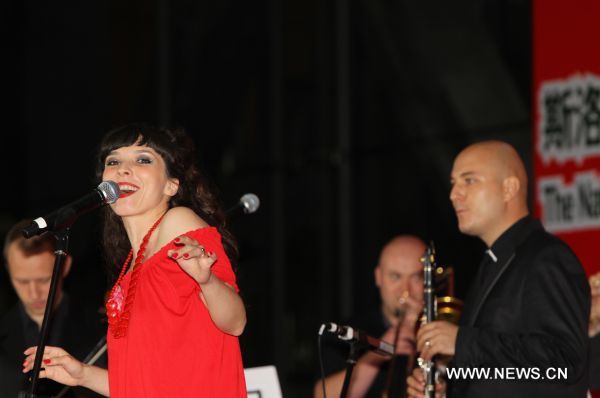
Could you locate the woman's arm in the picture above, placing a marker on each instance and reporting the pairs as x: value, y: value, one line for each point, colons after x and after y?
x: 225, y: 306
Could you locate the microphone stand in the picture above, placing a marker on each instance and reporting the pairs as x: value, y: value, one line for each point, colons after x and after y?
x: 389, y: 391
x: 350, y: 363
x: 62, y: 243
x: 372, y: 344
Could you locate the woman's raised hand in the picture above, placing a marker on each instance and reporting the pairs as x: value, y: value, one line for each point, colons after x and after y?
x: 193, y: 258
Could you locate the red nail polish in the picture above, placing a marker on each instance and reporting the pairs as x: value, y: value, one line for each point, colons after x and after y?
x: 47, y: 361
x: 186, y: 255
x: 174, y: 255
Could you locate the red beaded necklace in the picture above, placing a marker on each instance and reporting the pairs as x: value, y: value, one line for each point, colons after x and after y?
x: 118, y: 310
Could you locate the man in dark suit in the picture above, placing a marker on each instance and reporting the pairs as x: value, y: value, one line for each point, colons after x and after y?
x: 30, y: 263
x: 525, y: 319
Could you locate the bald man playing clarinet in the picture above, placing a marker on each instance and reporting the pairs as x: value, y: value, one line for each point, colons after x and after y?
x: 523, y: 331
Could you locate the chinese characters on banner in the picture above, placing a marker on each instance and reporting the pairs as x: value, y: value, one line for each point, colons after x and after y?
x: 569, y: 134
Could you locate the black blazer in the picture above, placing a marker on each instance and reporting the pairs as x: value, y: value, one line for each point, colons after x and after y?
x: 532, y: 315
x: 595, y: 363
x: 81, y: 329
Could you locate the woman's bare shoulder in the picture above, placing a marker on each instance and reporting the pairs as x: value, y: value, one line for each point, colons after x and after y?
x: 178, y: 221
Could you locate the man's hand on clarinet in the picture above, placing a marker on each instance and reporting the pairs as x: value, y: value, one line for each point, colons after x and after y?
x: 594, y: 324
x: 415, y: 385
x: 437, y: 337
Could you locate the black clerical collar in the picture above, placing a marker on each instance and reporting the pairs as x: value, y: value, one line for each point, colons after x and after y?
x: 505, y: 245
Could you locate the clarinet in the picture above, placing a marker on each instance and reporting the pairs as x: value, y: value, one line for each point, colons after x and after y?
x: 429, y: 315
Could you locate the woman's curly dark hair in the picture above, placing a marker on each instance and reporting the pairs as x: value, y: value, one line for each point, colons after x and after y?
x: 177, y: 149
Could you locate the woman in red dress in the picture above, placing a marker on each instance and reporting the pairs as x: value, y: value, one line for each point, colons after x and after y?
x: 174, y: 311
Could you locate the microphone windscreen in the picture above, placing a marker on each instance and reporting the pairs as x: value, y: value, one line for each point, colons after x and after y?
x: 110, y: 190
x: 250, y: 202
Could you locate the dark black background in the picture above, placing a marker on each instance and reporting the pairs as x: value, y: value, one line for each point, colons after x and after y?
x: 344, y: 117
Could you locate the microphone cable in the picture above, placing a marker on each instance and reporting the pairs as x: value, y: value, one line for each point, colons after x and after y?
x: 320, y: 355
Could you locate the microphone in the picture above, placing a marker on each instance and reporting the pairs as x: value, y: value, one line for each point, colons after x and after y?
x: 247, y: 204
x: 65, y: 217
x: 348, y: 333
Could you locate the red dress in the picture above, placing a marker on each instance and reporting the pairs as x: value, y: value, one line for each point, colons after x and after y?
x: 172, y: 347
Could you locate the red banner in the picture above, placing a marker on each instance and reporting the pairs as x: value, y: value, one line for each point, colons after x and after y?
x: 566, y: 123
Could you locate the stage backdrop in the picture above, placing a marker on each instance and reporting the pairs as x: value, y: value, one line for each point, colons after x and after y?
x: 566, y: 123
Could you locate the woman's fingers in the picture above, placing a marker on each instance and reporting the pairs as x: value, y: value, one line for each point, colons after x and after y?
x: 63, y: 368
x: 30, y: 360
x: 30, y: 352
x: 189, y: 248
x: 190, y: 252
